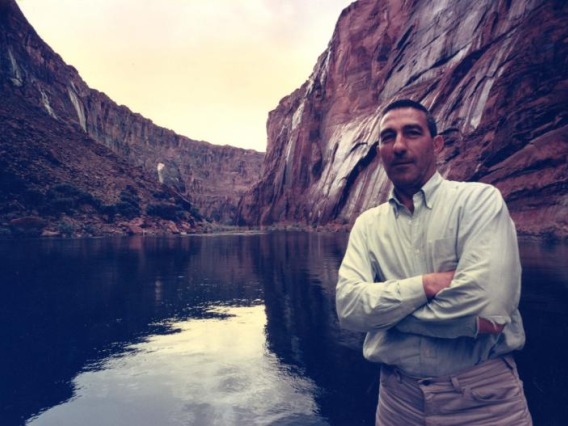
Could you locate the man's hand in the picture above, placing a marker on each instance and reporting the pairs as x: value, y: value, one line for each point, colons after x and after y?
x: 435, y: 282
x: 485, y: 326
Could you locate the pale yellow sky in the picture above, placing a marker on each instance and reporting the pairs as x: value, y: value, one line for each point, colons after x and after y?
x: 207, y: 69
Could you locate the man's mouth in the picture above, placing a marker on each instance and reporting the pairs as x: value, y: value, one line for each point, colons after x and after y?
x: 401, y: 163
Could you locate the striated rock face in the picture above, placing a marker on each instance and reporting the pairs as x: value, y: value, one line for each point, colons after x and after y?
x: 57, y: 181
x: 213, y: 178
x: 493, y: 72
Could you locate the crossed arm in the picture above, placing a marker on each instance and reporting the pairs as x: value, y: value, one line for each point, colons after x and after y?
x: 477, y: 298
x: 437, y: 281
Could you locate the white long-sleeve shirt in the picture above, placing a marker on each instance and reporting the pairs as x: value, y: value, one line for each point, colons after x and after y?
x: 458, y: 226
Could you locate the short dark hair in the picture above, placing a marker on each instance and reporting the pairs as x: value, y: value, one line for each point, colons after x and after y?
x: 409, y: 103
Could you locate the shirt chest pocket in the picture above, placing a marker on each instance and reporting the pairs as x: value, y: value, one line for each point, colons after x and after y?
x: 442, y: 254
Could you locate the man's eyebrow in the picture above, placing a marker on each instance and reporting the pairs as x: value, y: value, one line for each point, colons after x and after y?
x: 412, y: 127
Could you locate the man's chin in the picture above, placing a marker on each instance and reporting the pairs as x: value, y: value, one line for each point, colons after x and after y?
x: 401, y: 179
x: 406, y: 183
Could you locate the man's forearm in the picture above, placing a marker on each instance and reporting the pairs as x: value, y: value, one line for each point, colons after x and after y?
x: 435, y: 282
x: 486, y: 283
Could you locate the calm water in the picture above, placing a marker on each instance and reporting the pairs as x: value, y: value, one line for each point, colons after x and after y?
x: 217, y: 330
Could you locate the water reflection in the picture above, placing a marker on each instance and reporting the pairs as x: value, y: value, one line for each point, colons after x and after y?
x: 303, y: 330
x: 232, y: 329
x: 544, y: 306
x: 210, y: 372
x: 66, y: 304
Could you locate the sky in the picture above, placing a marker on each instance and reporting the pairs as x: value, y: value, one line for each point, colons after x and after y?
x: 210, y: 70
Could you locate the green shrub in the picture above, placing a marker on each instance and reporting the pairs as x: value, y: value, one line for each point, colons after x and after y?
x: 164, y: 210
x: 66, y: 198
x: 66, y: 228
x: 127, y: 210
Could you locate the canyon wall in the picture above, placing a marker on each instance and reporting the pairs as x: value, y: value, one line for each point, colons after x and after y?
x: 494, y: 74
x: 212, y: 178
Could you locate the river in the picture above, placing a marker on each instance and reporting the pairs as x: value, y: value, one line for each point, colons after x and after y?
x: 234, y: 329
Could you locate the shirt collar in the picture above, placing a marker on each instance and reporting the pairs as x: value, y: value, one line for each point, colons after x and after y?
x: 427, y: 192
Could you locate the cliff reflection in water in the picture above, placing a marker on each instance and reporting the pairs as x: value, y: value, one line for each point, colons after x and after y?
x: 68, y: 305
x: 217, y: 329
x: 86, y: 318
x: 302, y: 327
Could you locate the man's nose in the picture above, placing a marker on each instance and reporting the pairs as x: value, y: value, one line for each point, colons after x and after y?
x: 399, y: 145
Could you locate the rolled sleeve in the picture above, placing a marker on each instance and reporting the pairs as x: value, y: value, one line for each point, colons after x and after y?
x: 459, y: 327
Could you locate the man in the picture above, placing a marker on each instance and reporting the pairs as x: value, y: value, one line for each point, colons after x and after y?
x: 433, y: 278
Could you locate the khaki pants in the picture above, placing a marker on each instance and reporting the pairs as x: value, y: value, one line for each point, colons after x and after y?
x: 488, y: 394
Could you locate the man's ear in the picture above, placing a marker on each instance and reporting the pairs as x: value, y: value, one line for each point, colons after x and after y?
x: 438, y: 144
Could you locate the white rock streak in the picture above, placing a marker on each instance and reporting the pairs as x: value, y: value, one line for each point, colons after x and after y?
x: 46, y: 105
x: 78, y: 107
x: 16, y: 73
x: 160, y: 169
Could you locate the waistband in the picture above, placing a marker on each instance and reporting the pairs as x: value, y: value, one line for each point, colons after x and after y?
x: 461, y: 379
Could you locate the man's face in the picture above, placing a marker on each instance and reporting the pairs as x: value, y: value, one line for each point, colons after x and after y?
x: 407, y: 149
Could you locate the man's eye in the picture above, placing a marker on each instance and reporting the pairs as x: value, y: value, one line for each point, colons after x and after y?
x: 387, y: 138
x: 413, y: 133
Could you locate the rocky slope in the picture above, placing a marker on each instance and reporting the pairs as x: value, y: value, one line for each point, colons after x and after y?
x: 209, y: 178
x: 494, y: 73
x: 57, y: 181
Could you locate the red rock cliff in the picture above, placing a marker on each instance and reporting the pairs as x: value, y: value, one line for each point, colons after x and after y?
x: 493, y: 72
x: 212, y: 177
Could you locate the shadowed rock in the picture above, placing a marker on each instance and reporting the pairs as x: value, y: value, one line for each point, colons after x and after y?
x: 211, y: 177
